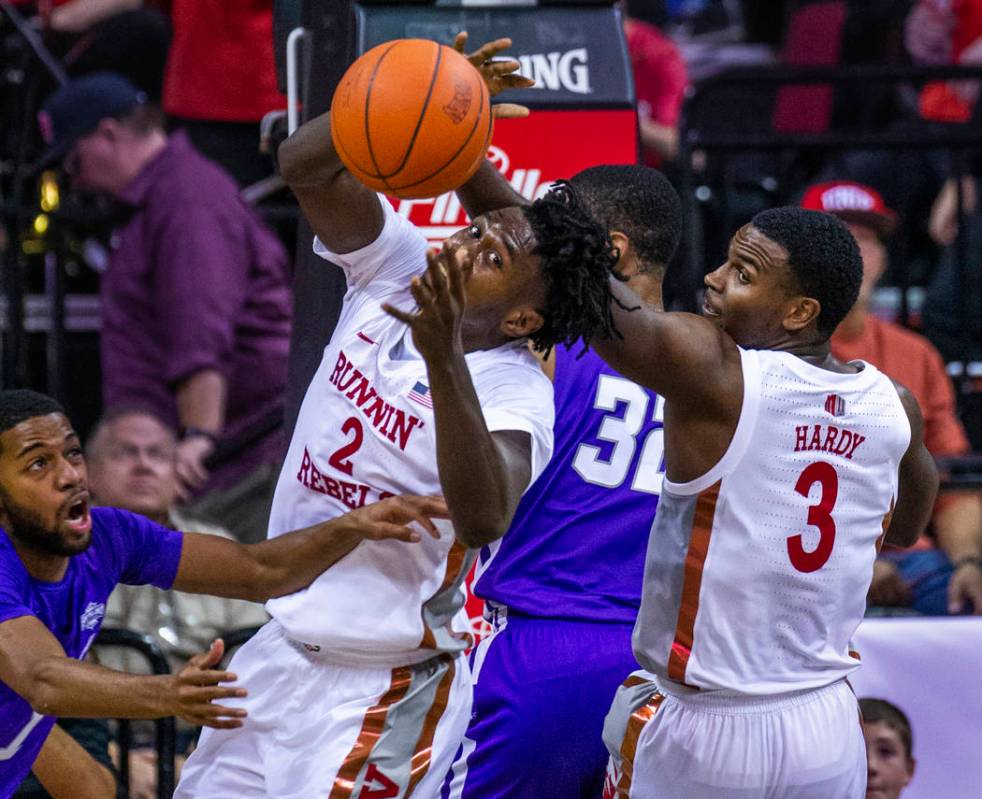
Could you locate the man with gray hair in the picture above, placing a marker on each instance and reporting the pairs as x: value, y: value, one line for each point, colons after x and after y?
x: 132, y: 457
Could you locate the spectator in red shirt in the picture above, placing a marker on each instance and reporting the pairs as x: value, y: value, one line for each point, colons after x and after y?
x: 221, y: 80
x: 659, y: 82
x: 932, y: 579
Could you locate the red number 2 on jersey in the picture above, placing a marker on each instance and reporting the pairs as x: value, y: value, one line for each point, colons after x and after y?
x: 339, y: 460
x: 819, y: 516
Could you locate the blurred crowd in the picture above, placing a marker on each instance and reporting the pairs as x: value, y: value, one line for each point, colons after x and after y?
x: 161, y: 117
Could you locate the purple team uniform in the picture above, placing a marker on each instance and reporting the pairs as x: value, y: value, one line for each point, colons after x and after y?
x: 125, y: 548
x: 563, y: 590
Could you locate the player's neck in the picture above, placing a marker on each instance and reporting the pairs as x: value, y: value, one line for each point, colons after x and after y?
x: 648, y: 288
x: 44, y: 566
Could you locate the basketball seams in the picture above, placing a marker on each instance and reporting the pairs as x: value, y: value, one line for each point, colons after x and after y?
x: 467, y: 141
x: 374, y: 119
x: 422, y: 114
x: 368, y: 100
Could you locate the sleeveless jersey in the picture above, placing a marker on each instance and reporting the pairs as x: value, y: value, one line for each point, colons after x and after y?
x: 756, y: 573
x: 365, y: 431
x: 575, y: 549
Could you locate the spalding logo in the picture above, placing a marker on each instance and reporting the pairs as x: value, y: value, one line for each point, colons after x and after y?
x: 458, y: 107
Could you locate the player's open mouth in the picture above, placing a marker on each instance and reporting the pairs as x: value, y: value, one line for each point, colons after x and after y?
x: 77, y: 516
x: 709, y: 310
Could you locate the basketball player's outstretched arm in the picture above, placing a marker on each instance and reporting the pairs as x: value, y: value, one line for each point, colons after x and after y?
x: 482, y: 474
x: 918, y: 481
x: 285, y: 564
x: 343, y: 213
x: 681, y: 356
x: 33, y: 662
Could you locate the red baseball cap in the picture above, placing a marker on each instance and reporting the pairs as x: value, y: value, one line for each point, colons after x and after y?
x: 851, y: 202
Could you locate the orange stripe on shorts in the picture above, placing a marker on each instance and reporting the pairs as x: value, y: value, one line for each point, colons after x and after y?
x: 371, y: 730
x: 423, y: 754
x: 695, y: 559
x: 629, y: 746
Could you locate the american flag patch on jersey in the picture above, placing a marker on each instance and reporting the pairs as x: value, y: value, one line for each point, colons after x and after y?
x: 835, y: 405
x: 420, y: 394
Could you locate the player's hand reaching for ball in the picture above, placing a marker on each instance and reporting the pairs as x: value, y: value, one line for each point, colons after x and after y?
x: 195, y: 689
x: 499, y: 76
x: 440, y: 301
x: 390, y: 517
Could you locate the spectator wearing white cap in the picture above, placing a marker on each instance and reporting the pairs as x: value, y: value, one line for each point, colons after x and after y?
x: 938, y: 576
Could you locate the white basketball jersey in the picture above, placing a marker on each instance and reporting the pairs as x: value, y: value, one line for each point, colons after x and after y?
x: 365, y: 431
x: 757, y: 572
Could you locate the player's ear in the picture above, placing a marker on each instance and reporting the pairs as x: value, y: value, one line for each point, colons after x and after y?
x: 522, y: 322
x: 627, y: 264
x: 802, y: 311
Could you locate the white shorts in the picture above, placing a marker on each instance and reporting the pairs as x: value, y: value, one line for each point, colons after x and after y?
x: 801, y: 745
x: 317, y: 729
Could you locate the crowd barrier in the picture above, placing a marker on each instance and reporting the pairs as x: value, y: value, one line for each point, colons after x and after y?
x: 931, y: 668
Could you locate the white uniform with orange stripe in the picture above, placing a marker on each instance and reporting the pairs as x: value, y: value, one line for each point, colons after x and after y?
x: 755, y: 581
x: 384, y: 627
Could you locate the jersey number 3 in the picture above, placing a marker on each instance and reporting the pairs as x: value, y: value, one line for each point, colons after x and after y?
x: 819, y: 516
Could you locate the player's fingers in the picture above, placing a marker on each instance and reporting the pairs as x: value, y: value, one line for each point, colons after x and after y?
x: 204, y: 660
x: 204, y: 695
x: 456, y: 283
x: 460, y: 42
x: 402, y: 316
x: 421, y: 292
x: 403, y: 511
x: 199, y: 677
x: 436, y: 275
x: 499, y: 69
x: 489, y: 50
x: 435, y: 507
x: 399, y: 532
x: 509, y: 111
x: 515, y: 82
x: 220, y: 724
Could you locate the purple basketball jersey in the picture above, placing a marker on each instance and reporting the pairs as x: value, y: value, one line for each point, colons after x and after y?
x: 125, y: 548
x: 576, y: 547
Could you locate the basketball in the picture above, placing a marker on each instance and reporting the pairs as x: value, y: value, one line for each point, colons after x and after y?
x: 411, y: 118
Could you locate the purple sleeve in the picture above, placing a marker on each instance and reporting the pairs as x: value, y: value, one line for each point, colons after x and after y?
x: 200, y: 279
x: 13, y: 588
x: 147, y: 553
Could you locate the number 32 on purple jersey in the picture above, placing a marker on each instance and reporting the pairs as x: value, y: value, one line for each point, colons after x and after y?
x: 622, y: 431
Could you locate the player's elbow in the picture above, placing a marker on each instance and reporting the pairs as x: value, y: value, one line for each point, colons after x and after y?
x: 44, y: 687
x: 478, y: 536
x: 290, y: 160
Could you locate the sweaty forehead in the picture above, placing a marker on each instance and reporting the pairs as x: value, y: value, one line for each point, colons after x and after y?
x: 51, y: 429
x: 514, y: 229
x: 751, y: 244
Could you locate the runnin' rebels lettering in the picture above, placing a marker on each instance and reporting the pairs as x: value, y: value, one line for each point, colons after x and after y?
x: 395, y: 424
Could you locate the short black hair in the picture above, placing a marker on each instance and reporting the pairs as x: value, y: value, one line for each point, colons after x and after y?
x: 638, y: 201
x: 577, y: 263
x: 876, y: 710
x: 823, y: 256
x: 20, y: 404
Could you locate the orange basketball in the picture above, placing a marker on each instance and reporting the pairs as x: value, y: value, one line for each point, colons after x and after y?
x: 411, y: 118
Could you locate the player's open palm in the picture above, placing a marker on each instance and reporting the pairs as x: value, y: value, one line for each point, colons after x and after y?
x: 499, y: 76
x: 440, y: 302
x: 196, y: 688
x: 391, y: 517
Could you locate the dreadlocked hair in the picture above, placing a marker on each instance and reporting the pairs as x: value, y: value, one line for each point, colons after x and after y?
x: 577, y: 262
